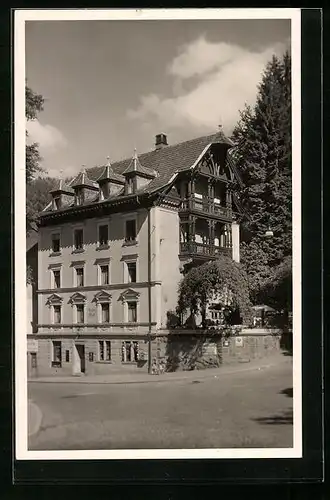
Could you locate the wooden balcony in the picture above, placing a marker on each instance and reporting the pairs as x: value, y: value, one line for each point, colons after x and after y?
x: 205, y: 206
x: 194, y: 249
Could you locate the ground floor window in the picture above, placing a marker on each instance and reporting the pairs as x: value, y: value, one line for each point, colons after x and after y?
x: 104, y: 350
x: 129, y: 352
x: 57, y: 353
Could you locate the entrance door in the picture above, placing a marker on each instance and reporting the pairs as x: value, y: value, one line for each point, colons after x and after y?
x: 81, y: 353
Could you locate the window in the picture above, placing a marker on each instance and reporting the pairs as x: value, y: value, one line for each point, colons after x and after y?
x: 104, y: 350
x: 57, y: 203
x: 104, y: 272
x: 56, y: 245
x: 105, y: 308
x: 33, y: 360
x: 80, y: 313
x: 91, y: 357
x: 57, y: 278
x: 132, y: 312
x: 131, y: 272
x: 130, y: 186
x: 80, y: 276
x: 129, y: 352
x: 79, y: 196
x: 67, y: 356
x: 78, y: 239
x: 57, y: 354
x: 57, y: 314
x: 103, y: 235
x: 130, y: 230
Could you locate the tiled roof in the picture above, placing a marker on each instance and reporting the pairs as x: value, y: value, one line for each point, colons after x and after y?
x: 135, y: 166
x: 61, y: 186
x: 167, y: 160
x: 83, y: 180
x: 109, y: 174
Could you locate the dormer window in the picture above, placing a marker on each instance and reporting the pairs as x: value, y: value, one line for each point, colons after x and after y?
x: 79, y: 196
x: 129, y: 186
x: 57, y: 203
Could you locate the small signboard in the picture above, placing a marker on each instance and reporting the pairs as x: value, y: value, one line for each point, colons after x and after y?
x: 32, y: 345
x: 239, y: 341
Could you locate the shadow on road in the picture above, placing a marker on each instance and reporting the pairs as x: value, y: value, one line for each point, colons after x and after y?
x: 288, y: 392
x: 284, y: 418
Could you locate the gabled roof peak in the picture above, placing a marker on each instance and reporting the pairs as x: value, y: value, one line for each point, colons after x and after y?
x: 135, y: 166
x: 62, y: 187
x: 82, y: 180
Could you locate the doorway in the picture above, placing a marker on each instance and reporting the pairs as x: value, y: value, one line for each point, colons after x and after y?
x: 81, y: 353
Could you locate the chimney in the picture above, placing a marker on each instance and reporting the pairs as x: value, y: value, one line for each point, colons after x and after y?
x: 161, y: 141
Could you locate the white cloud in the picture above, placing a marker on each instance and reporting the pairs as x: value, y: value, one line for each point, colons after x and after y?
x: 47, y: 136
x: 221, y: 78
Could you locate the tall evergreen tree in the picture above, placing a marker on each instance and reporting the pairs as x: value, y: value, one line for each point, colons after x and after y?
x: 263, y: 156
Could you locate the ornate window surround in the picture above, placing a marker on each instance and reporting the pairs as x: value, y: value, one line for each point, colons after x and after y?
x: 130, y: 295
x: 77, y: 299
x: 102, y: 297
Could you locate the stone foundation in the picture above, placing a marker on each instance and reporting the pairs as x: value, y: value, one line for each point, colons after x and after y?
x: 170, y: 351
x: 192, y: 351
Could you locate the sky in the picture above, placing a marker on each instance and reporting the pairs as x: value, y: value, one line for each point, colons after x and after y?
x: 111, y: 86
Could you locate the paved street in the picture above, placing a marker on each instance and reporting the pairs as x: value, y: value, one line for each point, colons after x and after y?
x: 242, y: 409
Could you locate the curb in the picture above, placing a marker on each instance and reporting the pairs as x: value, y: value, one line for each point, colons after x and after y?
x: 196, y: 375
x: 34, y: 418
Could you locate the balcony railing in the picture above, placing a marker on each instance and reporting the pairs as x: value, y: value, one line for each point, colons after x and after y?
x: 205, y: 205
x: 194, y: 248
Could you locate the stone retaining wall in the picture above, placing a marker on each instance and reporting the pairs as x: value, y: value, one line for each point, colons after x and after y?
x: 196, y: 351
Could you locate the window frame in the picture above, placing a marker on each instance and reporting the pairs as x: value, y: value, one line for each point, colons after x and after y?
x: 56, y: 364
x: 53, y: 252
x: 53, y: 314
x: 78, y: 304
x: 99, y: 263
x: 103, y: 246
x: 135, y: 302
x: 78, y: 265
x: 107, y: 274
x: 80, y: 276
x: 124, y: 350
x: 57, y: 270
x: 128, y: 263
x: 127, y: 218
x: 105, y: 343
x: 74, y: 230
x: 101, y: 305
x: 128, y: 259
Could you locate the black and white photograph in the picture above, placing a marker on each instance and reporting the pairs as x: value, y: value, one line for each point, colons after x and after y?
x: 157, y: 229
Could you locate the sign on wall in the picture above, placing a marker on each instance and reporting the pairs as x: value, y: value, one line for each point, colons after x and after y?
x: 239, y: 341
x: 32, y: 345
